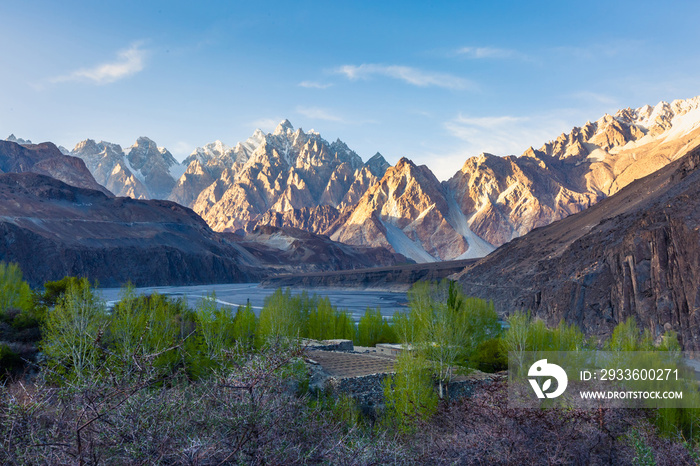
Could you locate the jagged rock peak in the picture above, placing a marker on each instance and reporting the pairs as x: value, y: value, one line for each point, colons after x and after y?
x: 12, y: 138
x: 146, y: 147
x: 283, y: 128
x: 87, y: 146
x: 377, y: 165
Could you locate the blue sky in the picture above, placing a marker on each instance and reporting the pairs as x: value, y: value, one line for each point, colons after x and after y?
x: 436, y: 82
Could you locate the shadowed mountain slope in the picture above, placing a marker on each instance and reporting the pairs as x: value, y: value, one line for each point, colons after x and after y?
x: 46, y: 159
x: 52, y: 229
x: 636, y: 253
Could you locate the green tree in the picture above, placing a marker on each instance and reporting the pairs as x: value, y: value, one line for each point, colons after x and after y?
x: 409, y: 394
x: 373, y: 328
x: 446, y: 326
x: 322, y: 320
x: 127, y: 329
x: 14, y: 292
x: 284, y: 315
x: 245, y: 326
x: 72, y: 333
x: 216, y: 326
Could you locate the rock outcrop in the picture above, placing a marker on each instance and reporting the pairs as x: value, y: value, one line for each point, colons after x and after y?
x: 46, y: 159
x: 52, y: 229
x: 636, y: 253
x: 145, y: 171
x: 277, y: 179
x: 290, y: 178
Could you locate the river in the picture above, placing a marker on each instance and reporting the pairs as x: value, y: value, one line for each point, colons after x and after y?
x: 238, y: 294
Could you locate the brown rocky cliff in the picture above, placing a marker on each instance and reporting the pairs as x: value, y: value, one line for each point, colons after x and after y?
x: 46, y: 159
x: 636, y: 253
x: 407, y: 211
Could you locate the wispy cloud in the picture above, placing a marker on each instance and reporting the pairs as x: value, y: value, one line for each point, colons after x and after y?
x: 487, y: 52
x: 127, y: 63
x: 503, y: 135
x: 317, y: 113
x: 314, y: 85
x: 413, y: 76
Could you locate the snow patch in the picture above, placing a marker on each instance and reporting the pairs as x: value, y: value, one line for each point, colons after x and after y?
x: 597, y: 155
x: 456, y: 218
x: 404, y: 245
x: 137, y: 173
x: 683, y: 124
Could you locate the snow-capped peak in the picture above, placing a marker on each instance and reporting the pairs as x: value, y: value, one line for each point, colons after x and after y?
x: 12, y: 138
x: 283, y: 128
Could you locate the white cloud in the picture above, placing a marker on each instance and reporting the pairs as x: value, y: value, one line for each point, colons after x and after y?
x: 504, y: 135
x: 486, y: 52
x: 317, y: 113
x: 314, y: 85
x: 128, y: 62
x: 407, y: 74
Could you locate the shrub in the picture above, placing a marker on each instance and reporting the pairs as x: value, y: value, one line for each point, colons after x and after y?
x: 72, y: 333
x: 216, y: 325
x: 489, y: 356
x: 9, y: 361
x: 409, y: 395
x: 14, y: 292
x: 627, y: 336
x: 245, y: 326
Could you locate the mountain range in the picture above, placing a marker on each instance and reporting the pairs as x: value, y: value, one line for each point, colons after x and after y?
x: 289, y: 178
x: 56, y: 220
x: 634, y: 254
x: 595, y: 226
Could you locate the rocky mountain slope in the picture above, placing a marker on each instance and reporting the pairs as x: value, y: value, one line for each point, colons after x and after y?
x: 143, y: 171
x: 289, y: 178
x: 492, y: 199
x: 280, y: 173
x: 46, y: 159
x: 636, y: 253
x: 52, y: 229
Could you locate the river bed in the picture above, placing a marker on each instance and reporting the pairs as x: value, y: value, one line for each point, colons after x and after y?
x: 355, y: 301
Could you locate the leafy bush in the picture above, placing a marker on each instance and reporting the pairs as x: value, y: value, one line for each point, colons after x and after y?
x: 14, y: 292
x: 445, y: 326
x: 409, y: 394
x: 216, y: 326
x: 72, y: 332
x: 245, y: 326
x: 489, y: 356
